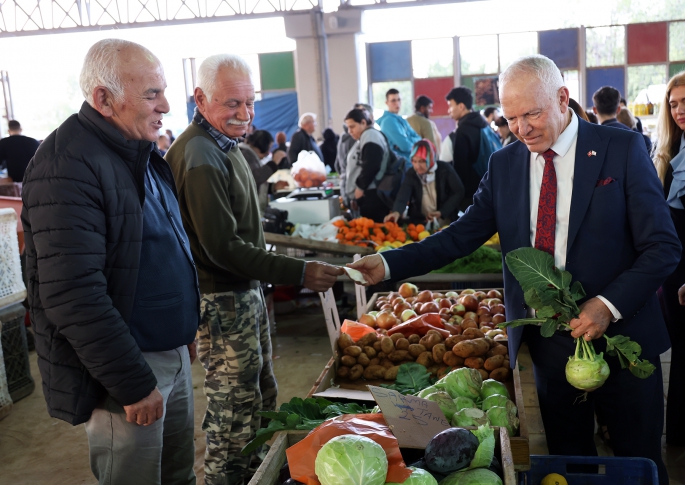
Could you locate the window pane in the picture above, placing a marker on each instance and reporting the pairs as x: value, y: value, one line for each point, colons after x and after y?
x: 605, y: 46
x: 478, y: 54
x: 406, y: 95
x: 432, y: 58
x: 676, y: 41
x: 485, y: 90
x: 573, y: 84
x: 513, y: 46
x: 252, y: 60
x: 646, y: 81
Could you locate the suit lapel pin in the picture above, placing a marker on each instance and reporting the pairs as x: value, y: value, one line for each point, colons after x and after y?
x: 591, y: 153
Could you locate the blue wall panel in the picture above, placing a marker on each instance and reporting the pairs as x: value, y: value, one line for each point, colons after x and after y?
x: 610, y: 76
x: 390, y: 61
x: 561, y: 46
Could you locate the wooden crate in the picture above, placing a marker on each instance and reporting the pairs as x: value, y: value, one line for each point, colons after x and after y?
x: 372, y: 301
x: 268, y: 472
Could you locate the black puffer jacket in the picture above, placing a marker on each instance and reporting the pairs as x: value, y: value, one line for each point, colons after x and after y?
x: 83, y: 221
x: 466, y: 146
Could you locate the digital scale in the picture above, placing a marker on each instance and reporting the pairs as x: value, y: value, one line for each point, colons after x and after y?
x: 309, y: 205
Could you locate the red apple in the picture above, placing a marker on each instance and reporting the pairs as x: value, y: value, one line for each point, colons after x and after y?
x: 495, y: 301
x: 483, y: 310
x: 458, y: 309
x: 470, y: 315
x: 456, y: 320
x: 410, y: 300
x: 444, y: 303
x: 467, y: 323
x: 424, y: 296
x: 479, y: 294
x: 499, y: 318
x: 499, y: 308
x: 387, y: 306
x: 437, y: 295
x: 408, y: 290
x: 417, y: 307
x: 398, y: 308
x: 368, y: 319
x: 486, y: 318
x: 452, y: 294
x: 467, y: 291
x: 386, y: 320
x: 494, y: 294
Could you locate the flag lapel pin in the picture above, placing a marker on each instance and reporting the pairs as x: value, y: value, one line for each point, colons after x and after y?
x: 591, y: 153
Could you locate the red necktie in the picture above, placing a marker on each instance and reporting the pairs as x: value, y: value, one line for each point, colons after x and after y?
x: 547, y: 207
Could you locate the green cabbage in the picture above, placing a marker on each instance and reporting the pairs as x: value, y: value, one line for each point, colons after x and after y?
x: 445, y: 402
x: 501, y: 401
x: 499, y: 416
x: 418, y: 477
x: 463, y: 382
x: 486, y: 448
x: 586, y: 370
x: 491, y: 386
x: 477, y: 476
x: 469, y: 417
x: 464, y: 402
x: 429, y: 390
x: 350, y: 460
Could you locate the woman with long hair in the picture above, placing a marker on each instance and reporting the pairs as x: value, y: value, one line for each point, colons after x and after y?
x: 669, y: 160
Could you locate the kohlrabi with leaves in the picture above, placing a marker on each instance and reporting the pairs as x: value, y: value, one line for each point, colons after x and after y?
x: 549, y: 291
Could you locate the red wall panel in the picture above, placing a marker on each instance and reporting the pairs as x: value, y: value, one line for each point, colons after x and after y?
x: 647, y: 43
x: 435, y: 88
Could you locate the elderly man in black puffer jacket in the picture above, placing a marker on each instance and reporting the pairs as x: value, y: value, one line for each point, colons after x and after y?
x: 112, y: 286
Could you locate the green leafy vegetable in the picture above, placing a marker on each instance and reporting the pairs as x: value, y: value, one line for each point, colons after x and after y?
x: 549, y: 291
x: 486, y: 447
x: 350, y: 459
x: 411, y: 379
x: 586, y: 370
x: 482, y: 260
x: 303, y: 414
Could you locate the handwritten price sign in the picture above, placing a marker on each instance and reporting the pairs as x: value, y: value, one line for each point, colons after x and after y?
x: 413, y: 421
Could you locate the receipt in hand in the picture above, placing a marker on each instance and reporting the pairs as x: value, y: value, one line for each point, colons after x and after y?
x: 355, y: 275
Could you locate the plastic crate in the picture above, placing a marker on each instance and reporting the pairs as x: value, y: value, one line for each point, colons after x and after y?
x: 612, y: 470
x: 15, y: 352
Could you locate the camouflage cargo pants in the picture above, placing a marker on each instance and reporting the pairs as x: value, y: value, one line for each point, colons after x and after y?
x: 234, y: 346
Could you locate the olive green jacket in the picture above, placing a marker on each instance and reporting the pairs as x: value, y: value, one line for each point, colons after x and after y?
x: 220, y: 209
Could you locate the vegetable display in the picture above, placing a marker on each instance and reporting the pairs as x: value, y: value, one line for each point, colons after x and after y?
x: 549, y: 291
x: 350, y: 459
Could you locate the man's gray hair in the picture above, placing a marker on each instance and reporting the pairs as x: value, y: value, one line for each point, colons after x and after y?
x: 210, y: 67
x: 539, y: 66
x: 306, y: 118
x: 101, y: 68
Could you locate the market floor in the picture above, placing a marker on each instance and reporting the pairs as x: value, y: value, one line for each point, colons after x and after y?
x: 35, y: 448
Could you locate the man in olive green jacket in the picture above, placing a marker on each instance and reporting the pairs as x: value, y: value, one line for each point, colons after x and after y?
x: 220, y: 209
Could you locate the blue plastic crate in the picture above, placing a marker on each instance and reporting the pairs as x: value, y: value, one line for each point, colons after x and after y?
x: 612, y: 470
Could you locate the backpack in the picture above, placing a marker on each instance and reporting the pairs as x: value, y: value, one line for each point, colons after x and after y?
x: 489, y: 144
x: 390, y: 178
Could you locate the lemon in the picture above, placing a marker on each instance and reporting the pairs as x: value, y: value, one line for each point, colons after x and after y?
x: 380, y: 249
x: 554, y: 479
x: 423, y: 235
x: 387, y: 244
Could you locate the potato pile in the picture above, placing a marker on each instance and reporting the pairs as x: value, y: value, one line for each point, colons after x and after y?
x: 378, y: 356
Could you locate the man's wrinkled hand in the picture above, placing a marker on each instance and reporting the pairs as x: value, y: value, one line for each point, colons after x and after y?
x: 593, y: 321
x: 371, y: 267
x: 146, y: 411
x: 321, y: 276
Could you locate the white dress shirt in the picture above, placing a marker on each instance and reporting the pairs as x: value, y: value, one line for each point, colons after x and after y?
x: 564, y: 165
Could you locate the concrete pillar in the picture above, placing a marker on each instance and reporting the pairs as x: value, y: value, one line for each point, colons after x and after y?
x: 326, y: 70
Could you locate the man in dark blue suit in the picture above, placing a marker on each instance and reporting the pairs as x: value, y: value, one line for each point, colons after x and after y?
x: 607, y: 105
x: 590, y: 196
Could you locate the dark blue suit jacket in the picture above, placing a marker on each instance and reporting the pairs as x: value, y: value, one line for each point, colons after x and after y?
x: 621, y: 241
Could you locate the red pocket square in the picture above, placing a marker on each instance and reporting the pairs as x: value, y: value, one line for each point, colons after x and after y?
x: 606, y: 181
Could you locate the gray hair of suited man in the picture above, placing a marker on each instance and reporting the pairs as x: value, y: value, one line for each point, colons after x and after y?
x: 210, y: 67
x: 538, y: 66
x: 306, y: 118
x: 101, y: 68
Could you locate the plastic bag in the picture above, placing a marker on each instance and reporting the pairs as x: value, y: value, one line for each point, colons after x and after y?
x: 309, y: 170
x: 318, y: 232
x: 355, y: 330
x: 302, y: 455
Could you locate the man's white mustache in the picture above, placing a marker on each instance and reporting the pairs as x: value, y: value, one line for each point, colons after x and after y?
x: 239, y: 123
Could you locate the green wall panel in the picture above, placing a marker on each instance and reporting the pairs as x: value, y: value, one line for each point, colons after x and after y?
x: 675, y: 68
x: 277, y: 70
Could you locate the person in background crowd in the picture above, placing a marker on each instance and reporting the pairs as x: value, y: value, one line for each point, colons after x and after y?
x: 421, y: 123
x: 329, y: 148
x: 302, y: 139
x: 626, y: 117
x: 592, y: 118
x: 112, y: 287
x: 491, y: 114
x: 431, y: 188
x: 16, y: 151
x: 220, y: 208
x: 465, y: 140
x: 366, y: 164
x: 577, y: 109
x: 255, y: 149
x: 505, y: 133
x: 171, y: 136
x: 607, y: 106
x: 530, y: 195
x: 400, y: 135
x: 281, y: 146
x: 163, y: 144
x: 638, y: 121
x: 669, y: 159
x: 345, y: 144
